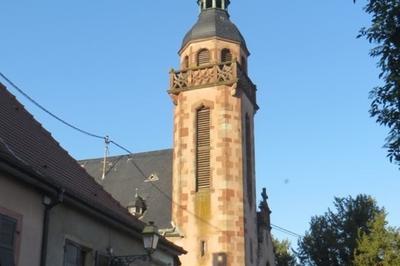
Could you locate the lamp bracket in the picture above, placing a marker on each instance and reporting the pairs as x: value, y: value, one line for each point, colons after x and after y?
x: 127, y: 260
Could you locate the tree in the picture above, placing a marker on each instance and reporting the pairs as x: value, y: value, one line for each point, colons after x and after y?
x: 283, y: 255
x: 332, y: 237
x: 385, y: 33
x: 380, y: 247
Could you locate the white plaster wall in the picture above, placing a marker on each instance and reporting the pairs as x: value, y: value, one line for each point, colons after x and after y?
x: 67, y: 222
x: 21, y: 199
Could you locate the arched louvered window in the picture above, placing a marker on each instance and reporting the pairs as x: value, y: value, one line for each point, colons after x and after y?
x: 203, y: 172
x: 226, y: 55
x: 185, y: 63
x: 203, y: 57
x: 249, y: 160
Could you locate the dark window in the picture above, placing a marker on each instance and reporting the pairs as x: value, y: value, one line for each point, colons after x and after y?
x: 203, y: 248
x: 203, y: 57
x: 226, y: 55
x: 203, y: 171
x: 208, y: 3
x: 249, y: 160
x: 186, y: 62
x: 219, y: 3
x: 8, y: 228
x: 74, y: 254
x: 102, y: 259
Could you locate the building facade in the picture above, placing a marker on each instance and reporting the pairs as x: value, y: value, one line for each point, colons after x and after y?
x: 213, y: 159
x: 52, y: 212
x: 202, y: 193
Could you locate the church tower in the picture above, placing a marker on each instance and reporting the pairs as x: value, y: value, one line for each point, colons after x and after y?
x: 213, y: 159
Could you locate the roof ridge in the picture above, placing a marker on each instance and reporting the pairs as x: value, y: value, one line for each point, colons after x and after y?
x: 133, y: 155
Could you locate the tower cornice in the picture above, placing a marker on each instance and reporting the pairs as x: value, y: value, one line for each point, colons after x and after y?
x: 214, y: 74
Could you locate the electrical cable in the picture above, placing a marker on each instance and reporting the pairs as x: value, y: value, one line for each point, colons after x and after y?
x: 106, y: 138
x: 286, y: 231
x: 47, y: 111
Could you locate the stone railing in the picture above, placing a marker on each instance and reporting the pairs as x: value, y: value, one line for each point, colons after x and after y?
x: 212, y: 75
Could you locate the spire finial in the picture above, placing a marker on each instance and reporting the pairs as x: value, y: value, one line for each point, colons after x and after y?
x: 217, y: 4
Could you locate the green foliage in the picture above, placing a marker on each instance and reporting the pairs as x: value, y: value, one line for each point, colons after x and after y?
x: 385, y: 33
x: 332, y: 237
x: 283, y: 255
x: 380, y: 247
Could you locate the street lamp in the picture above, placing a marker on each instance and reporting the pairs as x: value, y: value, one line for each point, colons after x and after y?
x: 150, y: 241
x: 150, y: 237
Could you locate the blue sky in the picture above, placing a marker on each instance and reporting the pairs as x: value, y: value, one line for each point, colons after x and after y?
x: 103, y: 65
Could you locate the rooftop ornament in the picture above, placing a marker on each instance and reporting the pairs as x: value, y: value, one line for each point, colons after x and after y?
x: 138, y: 206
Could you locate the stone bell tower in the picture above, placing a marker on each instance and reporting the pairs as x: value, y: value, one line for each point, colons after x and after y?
x: 213, y: 162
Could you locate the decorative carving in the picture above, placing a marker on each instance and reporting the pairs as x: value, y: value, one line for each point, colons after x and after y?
x: 265, y: 212
x: 227, y: 73
x: 234, y: 90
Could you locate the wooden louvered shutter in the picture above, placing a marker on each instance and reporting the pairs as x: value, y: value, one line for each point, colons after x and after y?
x: 7, y: 240
x: 226, y: 56
x: 203, y: 149
x: 203, y: 57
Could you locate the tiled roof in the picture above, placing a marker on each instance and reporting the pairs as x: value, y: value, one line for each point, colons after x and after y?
x: 24, y: 140
x: 122, y: 179
x: 214, y: 23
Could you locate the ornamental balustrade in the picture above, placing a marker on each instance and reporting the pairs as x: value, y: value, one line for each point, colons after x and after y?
x: 209, y: 75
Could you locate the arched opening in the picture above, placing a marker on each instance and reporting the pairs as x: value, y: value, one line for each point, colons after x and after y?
x: 203, y: 57
x: 226, y: 55
x: 208, y: 3
x: 219, y: 3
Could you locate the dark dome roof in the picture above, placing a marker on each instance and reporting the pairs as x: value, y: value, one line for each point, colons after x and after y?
x: 214, y: 23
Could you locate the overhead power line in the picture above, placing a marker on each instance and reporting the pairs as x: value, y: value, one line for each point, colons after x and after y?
x: 47, y: 111
x: 107, y: 139
x: 286, y: 231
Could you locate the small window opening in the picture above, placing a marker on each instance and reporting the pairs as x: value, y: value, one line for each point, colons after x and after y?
x: 219, y: 3
x: 226, y: 55
x: 203, y: 57
x: 203, y: 248
x: 208, y: 3
x: 74, y: 254
x: 185, y: 62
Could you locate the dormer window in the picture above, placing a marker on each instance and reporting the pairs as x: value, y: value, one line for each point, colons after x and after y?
x: 203, y: 57
x: 138, y: 206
